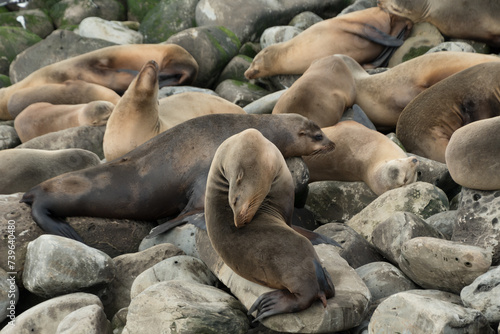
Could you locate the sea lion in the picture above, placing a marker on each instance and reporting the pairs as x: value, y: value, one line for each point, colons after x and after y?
x: 321, y: 94
x: 473, y: 155
x: 362, y: 35
x: 383, y: 96
x: 476, y: 20
x: 113, y: 67
x: 68, y: 92
x: 24, y: 168
x: 42, y: 117
x: 164, y: 177
x: 248, y: 213
x: 362, y: 154
x: 427, y: 123
x: 139, y: 115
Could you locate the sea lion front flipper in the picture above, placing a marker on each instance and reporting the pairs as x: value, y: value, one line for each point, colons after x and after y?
x: 314, y: 237
x: 53, y: 225
x: 383, y: 58
x: 376, y: 35
x: 274, y: 302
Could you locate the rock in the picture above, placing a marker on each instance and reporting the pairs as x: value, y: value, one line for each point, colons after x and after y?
x: 420, y: 198
x: 423, y: 37
x: 119, y: 320
x: 57, y: 265
x: 304, y: 20
x: 87, y: 320
x: 59, y: 45
x: 453, y: 46
x: 300, y: 177
x: 345, y: 310
x: 34, y: 20
x: 390, y: 235
x: 85, y: 137
x: 478, y: 221
x: 212, y: 47
x: 479, y: 47
x: 9, y: 295
x: 112, y: 31
x: 258, y: 15
x: 8, y: 137
x: 384, y: 280
x: 443, y: 222
x: 29, y: 167
x: 172, y: 90
x: 442, y: 264
x: 19, y: 40
x: 182, y: 268
x: 239, y: 92
x: 406, y: 312
x: 355, y: 113
x: 71, y: 12
x: 483, y: 294
x: 355, y: 249
x: 437, y: 173
x: 264, y: 105
x: 138, y: 9
x: 359, y: 5
x: 128, y: 267
x: 168, y: 18
x: 185, y: 307
x: 45, y: 317
x: 235, y: 68
x: 278, y: 34
x: 438, y: 294
x: 338, y: 201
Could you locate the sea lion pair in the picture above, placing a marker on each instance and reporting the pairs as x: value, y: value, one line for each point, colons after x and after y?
x: 248, y: 211
x: 113, y: 67
x: 164, y: 177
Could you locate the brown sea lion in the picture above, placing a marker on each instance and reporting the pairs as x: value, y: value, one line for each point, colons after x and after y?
x: 42, y: 117
x: 473, y: 155
x: 362, y: 35
x: 164, y: 177
x: 248, y: 213
x: 427, y: 123
x: 362, y: 154
x: 321, y: 94
x: 139, y: 115
x: 476, y: 20
x: 68, y: 92
x: 24, y: 168
x: 113, y: 67
x: 383, y: 96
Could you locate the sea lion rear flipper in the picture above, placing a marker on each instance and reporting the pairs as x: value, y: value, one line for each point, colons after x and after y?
x: 315, y: 237
x: 53, y: 225
x: 179, y: 220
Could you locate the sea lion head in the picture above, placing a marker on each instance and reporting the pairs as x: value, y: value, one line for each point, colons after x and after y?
x: 394, y: 174
x: 96, y: 113
x: 411, y: 9
x: 262, y: 63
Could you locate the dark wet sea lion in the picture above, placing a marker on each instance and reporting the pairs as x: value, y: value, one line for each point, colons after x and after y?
x: 248, y: 212
x: 164, y: 177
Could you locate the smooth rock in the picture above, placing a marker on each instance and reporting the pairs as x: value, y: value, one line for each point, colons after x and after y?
x: 436, y: 173
x: 355, y: 113
x: 304, y: 20
x: 183, y: 268
x: 420, y: 198
x: 442, y: 264
x: 240, y: 93
x: 390, y: 235
x: 355, y: 249
x: 338, y: 201
x: 477, y: 221
x: 185, y: 307
x: 265, y: 104
x: 384, y: 280
x: 406, y: 312
x: 128, y: 267
x: 444, y: 222
x: 112, y: 31
x: 359, y: 5
x: 57, y: 265
x: 9, y: 295
x: 483, y: 294
x: 70, y: 12
x: 119, y: 320
x: 87, y: 320
x: 45, y: 317
x: 235, y: 69
x: 19, y: 40
x: 8, y: 137
x: 345, y: 310
x: 172, y: 90
x: 35, y: 20
x: 452, y: 46
x: 278, y: 34
x: 438, y: 294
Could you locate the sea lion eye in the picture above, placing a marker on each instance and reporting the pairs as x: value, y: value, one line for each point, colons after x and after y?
x: 318, y: 137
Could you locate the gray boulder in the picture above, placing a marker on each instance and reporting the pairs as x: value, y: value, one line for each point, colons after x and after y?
x: 483, y: 294
x: 87, y: 320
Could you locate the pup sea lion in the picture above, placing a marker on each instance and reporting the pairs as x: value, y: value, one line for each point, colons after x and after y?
x: 383, y: 96
x: 248, y: 212
x: 24, y: 168
x: 362, y: 35
x: 321, y: 94
x: 113, y: 67
x: 68, y: 92
x: 164, y: 177
x: 427, y: 123
x: 473, y: 155
x: 139, y: 115
x: 362, y: 154
x: 42, y: 117
x: 476, y: 20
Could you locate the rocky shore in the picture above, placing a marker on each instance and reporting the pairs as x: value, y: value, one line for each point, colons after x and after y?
x: 423, y: 258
